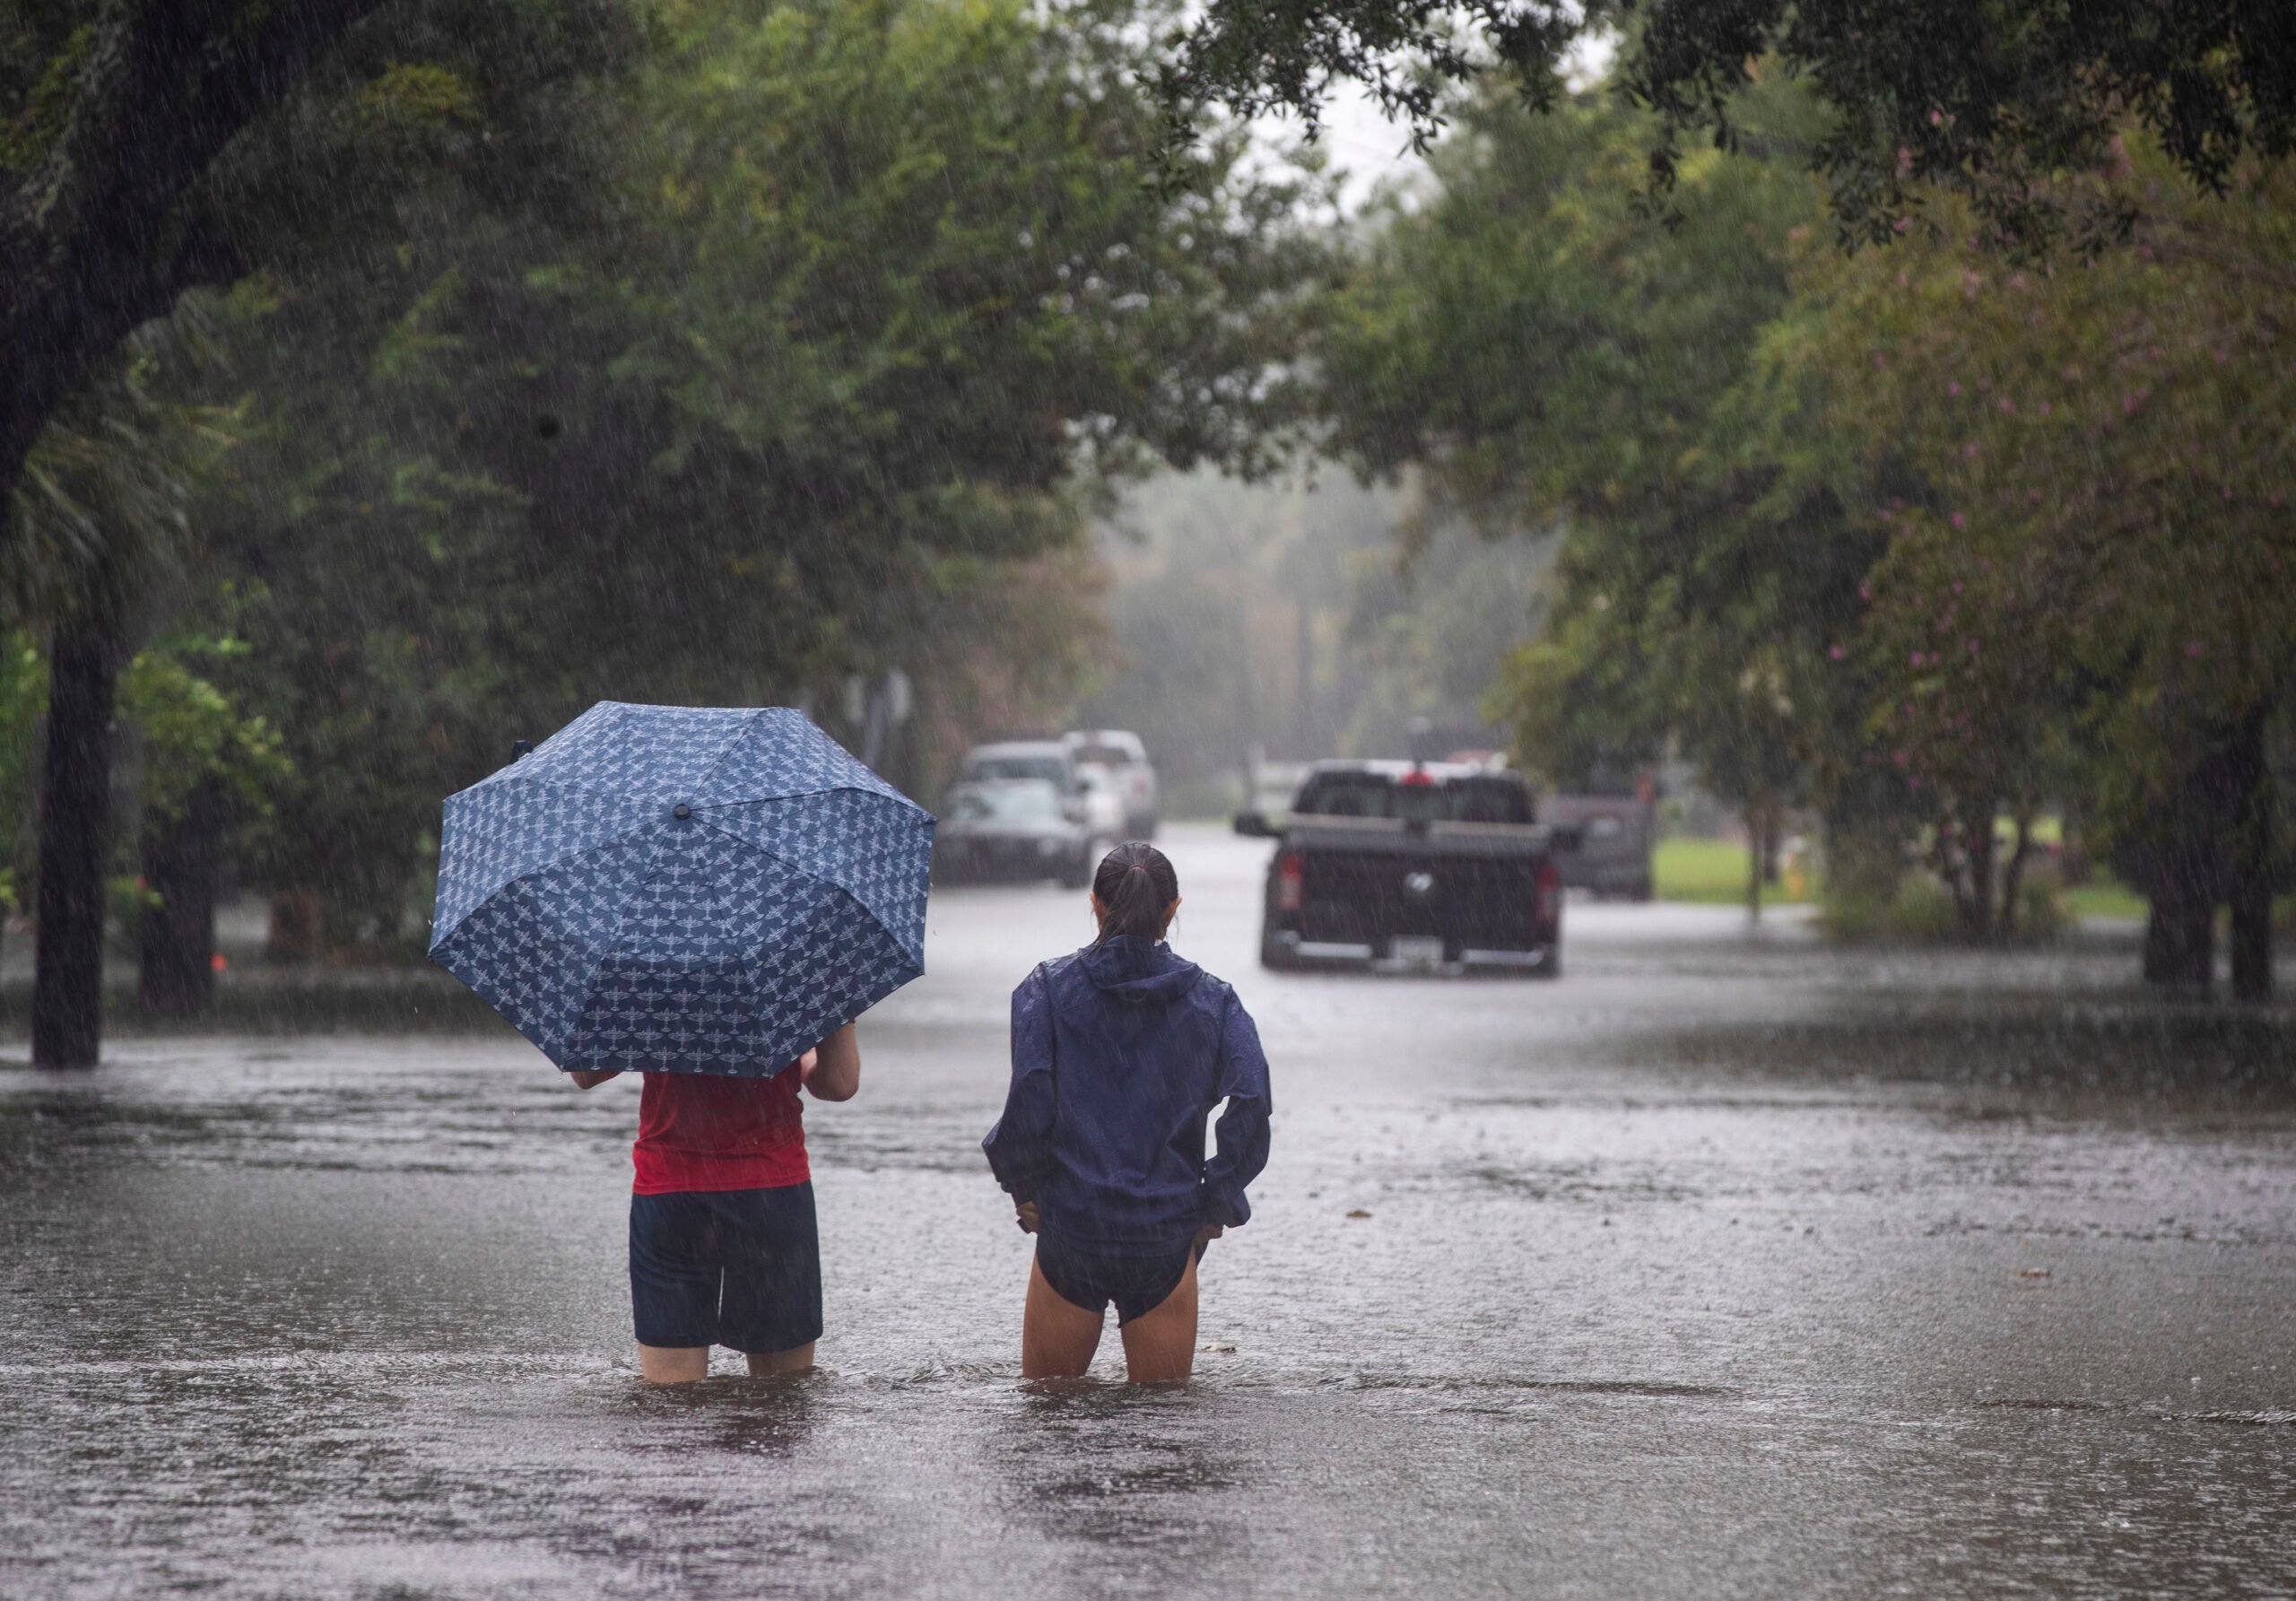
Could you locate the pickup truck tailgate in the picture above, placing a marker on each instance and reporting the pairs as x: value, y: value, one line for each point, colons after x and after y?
x: 1365, y: 880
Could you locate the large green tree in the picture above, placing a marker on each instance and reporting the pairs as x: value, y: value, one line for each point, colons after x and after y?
x: 2099, y: 552
x: 1553, y: 359
x: 295, y: 132
x: 868, y: 305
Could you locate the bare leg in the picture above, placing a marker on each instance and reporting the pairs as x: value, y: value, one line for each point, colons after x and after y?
x: 782, y: 1364
x: 673, y: 1364
x: 1057, y: 1337
x: 1159, y: 1345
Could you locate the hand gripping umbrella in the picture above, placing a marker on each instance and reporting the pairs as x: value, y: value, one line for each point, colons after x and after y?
x: 682, y: 888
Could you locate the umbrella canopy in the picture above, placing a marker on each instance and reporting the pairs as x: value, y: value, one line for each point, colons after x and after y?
x: 683, y: 888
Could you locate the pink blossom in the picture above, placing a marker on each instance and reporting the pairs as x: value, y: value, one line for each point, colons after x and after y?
x: 2274, y: 500
x: 2045, y: 408
x: 1969, y: 451
x: 1898, y: 757
x: 1835, y: 653
x: 1902, y: 224
x: 1879, y: 364
x: 1864, y: 591
x: 2192, y: 648
x: 2219, y: 355
x: 1957, y: 586
x: 2032, y: 497
x: 1960, y: 521
x: 1915, y: 660
x: 1952, y: 386
x: 1972, y: 645
x: 2226, y: 492
x: 2007, y: 404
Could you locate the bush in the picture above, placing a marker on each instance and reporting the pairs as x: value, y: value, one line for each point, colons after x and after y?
x: 1922, y: 912
x: 2042, y: 912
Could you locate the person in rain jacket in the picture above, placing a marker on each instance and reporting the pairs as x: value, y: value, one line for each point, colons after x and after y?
x: 1120, y: 1052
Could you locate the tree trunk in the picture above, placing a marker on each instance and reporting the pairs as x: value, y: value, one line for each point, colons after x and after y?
x: 2251, y: 862
x: 2012, y: 875
x: 74, y: 835
x: 1753, y: 860
x: 1977, y: 843
x: 2181, y: 934
x: 2252, y: 939
x: 181, y: 858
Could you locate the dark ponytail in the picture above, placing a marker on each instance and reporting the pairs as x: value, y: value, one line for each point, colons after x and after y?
x: 1136, y: 887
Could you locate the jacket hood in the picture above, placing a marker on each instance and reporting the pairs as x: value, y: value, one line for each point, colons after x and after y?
x: 1137, y: 970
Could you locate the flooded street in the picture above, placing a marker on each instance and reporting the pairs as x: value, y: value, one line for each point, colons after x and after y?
x: 1727, y: 1265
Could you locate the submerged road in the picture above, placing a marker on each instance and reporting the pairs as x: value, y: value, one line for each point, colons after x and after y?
x: 1726, y: 1266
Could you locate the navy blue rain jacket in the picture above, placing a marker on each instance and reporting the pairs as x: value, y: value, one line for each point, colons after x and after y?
x: 1120, y: 1053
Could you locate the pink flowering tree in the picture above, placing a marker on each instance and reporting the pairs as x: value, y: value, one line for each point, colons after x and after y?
x: 2095, y: 539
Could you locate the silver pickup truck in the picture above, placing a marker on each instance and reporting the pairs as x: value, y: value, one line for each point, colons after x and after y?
x: 1419, y: 863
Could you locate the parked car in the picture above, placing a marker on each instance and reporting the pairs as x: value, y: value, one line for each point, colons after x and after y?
x: 1103, y: 804
x: 1046, y: 758
x: 1413, y: 862
x: 1614, y: 835
x: 1126, y: 760
x: 1012, y: 830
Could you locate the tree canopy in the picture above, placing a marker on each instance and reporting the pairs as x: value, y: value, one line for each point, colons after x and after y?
x: 1988, y: 99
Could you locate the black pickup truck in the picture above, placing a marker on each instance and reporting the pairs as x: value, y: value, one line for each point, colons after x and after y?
x: 1411, y: 862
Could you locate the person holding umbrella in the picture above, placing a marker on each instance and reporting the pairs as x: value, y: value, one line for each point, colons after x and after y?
x: 724, y: 1250
x: 1121, y: 1053
x: 710, y: 897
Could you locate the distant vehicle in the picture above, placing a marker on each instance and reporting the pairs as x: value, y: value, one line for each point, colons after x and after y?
x: 1103, y: 803
x: 1012, y: 830
x: 1614, y: 835
x: 1046, y: 758
x: 1411, y: 862
x: 1126, y: 760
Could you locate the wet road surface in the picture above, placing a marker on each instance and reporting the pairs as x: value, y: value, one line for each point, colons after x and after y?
x: 1726, y: 1266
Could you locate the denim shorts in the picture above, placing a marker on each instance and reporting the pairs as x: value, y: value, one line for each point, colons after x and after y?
x: 1092, y: 1279
x: 736, y: 1267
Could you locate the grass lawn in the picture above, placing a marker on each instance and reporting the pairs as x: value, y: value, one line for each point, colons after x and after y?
x: 2105, y: 896
x: 1713, y: 873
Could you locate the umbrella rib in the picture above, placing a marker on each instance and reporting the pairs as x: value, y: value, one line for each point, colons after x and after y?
x: 703, y: 814
x: 701, y: 783
x: 605, y: 947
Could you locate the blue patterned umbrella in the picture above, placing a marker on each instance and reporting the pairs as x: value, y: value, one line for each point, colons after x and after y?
x: 694, y: 890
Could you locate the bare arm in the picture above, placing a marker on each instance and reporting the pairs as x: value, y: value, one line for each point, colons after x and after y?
x: 591, y: 1081
x: 832, y: 1070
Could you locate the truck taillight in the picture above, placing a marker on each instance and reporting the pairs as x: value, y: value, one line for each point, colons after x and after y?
x: 1550, y: 892
x: 1290, y: 881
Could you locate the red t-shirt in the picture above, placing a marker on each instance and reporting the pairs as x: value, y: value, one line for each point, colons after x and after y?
x: 710, y: 1131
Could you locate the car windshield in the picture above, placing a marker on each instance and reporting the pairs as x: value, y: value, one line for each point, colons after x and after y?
x: 989, y: 769
x: 1453, y: 800
x: 1027, y: 800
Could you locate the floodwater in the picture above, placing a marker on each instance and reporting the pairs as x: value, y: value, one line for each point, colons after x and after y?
x: 1725, y: 1265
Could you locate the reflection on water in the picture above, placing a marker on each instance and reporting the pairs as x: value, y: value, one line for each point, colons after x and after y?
x: 1718, y: 1268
